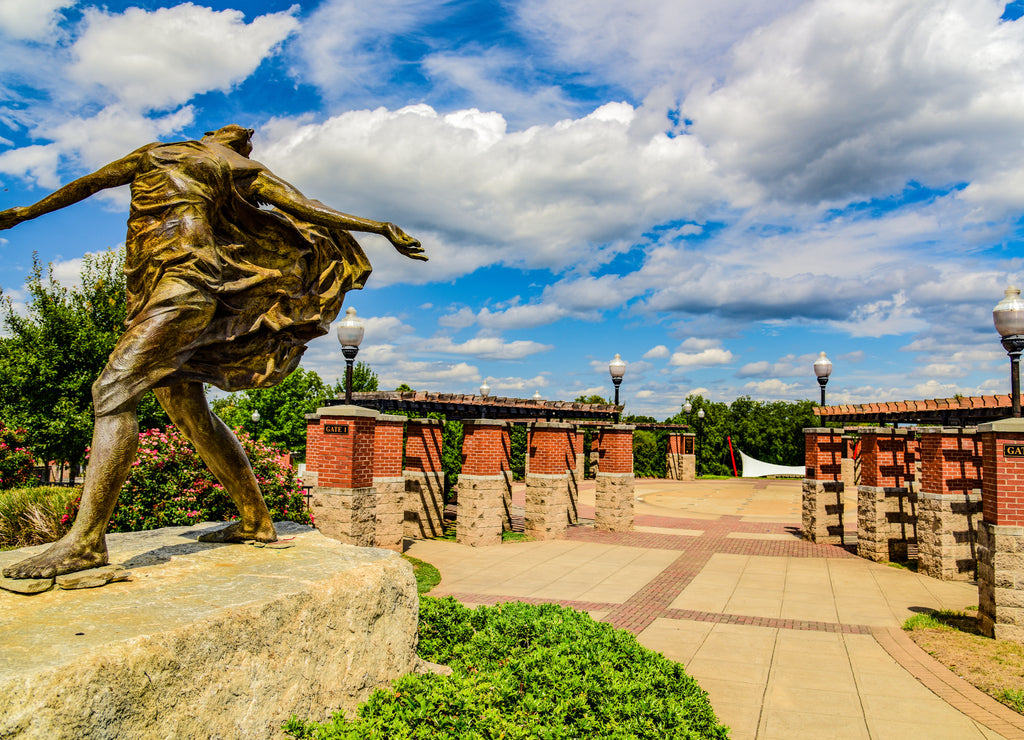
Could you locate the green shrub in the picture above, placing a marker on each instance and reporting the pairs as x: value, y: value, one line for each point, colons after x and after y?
x: 35, y: 515
x: 17, y: 465
x: 169, y: 485
x: 527, y: 671
x: 650, y: 449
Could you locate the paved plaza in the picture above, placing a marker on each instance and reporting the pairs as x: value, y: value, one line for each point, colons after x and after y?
x: 789, y: 638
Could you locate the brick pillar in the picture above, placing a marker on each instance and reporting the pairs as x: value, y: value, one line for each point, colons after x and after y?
x: 948, y: 502
x: 595, y: 453
x: 1001, y: 534
x: 680, y: 462
x: 424, y: 479
x: 574, y: 444
x: 886, y: 497
x: 581, y: 454
x: 314, y: 442
x: 547, y: 482
x: 506, y: 473
x: 822, y: 497
x: 481, y: 483
x: 389, y: 481
x: 851, y: 478
x: 613, y: 505
x: 343, y: 499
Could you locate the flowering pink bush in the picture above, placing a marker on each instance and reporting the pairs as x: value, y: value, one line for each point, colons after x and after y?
x: 169, y: 485
x: 16, y: 462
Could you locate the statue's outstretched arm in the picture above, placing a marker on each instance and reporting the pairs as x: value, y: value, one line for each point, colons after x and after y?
x: 268, y: 187
x: 116, y: 173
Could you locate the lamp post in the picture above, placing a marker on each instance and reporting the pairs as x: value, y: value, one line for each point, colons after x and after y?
x: 1008, y: 316
x: 484, y: 392
x: 822, y: 368
x: 350, y: 334
x: 617, y: 369
x: 700, y: 436
x: 256, y: 423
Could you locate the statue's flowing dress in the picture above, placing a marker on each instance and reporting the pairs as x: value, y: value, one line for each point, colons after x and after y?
x: 247, y: 287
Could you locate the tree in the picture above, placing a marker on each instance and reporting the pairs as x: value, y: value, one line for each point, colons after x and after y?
x: 56, y: 350
x: 592, y: 399
x: 404, y: 388
x: 364, y: 380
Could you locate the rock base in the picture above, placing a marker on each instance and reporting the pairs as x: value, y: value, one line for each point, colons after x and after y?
x: 613, y: 502
x: 886, y: 522
x: 1001, y: 581
x: 822, y: 511
x: 547, y: 501
x: 424, y: 504
x: 481, y: 507
x: 947, y: 535
x: 207, y: 640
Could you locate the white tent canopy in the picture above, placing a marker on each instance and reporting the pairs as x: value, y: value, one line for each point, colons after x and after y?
x: 756, y: 469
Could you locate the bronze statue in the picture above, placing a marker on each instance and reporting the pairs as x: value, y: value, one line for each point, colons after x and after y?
x: 230, y: 271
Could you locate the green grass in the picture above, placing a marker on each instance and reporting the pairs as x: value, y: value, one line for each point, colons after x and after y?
x: 1013, y: 698
x: 910, y: 565
x: 525, y: 671
x: 34, y: 515
x: 427, y: 576
x: 943, y: 619
x: 450, y: 529
x: 515, y: 537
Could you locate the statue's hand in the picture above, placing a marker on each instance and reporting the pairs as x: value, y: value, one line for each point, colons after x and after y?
x: 12, y: 217
x: 404, y: 243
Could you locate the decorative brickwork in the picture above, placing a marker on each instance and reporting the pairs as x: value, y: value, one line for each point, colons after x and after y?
x: 482, y: 483
x: 424, y: 479
x: 389, y: 482
x: 1001, y: 534
x: 823, y: 508
x: 613, y: 505
x: 887, y: 496
x: 949, y: 502
x: 547, y: 480
x: 343, y: 499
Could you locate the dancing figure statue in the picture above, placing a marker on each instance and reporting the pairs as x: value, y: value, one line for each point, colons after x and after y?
x: 230, y: 272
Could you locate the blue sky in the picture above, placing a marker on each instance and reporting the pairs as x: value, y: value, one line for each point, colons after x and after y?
x: 715, y: 190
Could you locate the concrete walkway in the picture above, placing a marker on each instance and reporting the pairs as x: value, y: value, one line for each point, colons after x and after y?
x: 789, y: 639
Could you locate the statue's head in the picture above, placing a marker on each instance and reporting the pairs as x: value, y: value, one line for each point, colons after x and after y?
x: 232, y: 136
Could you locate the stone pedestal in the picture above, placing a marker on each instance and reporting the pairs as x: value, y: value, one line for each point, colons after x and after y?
x: 823, y: 508
x: 424, y: 479
x: 949, y: 502
x: 1001, y: 534
x: 344, y: 501
x: 206, y: 640
x: 547, y: 482
x: 613, y: 505
x: 481, y: 483
x: 886, y: 497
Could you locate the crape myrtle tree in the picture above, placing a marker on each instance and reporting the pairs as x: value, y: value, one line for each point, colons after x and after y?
x: 771, y: 431
x: 282, y: 408
x: 55, y: 348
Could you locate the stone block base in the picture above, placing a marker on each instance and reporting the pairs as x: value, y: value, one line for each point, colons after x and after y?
x: 424, y: 504
x: 680, y: 467
x: 613, y: 504
x: 886, y: 522
x: 572, y: 511
x: 390, y: 513
x: 1001, y: 581
x: 947, y: 535
x: 345, y: 514
x: 206, y: 640
x: 506, y: 495
x: 481, y: 505
x: 547, y: 498
x: 823, y: 511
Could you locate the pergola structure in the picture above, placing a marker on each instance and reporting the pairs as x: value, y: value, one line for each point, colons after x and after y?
x: 459, y: 406
x: 958, y: 411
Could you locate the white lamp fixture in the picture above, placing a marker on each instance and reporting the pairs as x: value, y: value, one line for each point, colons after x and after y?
x: 822, y: 369
x: 350, y: 334
x: 617, y: 368
x: 1008, y: 317
x: 255, y: 416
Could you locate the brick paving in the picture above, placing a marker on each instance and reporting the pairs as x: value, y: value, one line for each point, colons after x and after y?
x: 643, y: 605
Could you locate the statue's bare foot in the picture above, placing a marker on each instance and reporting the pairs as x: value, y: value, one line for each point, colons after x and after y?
x: 65, y: 556
x: 237, y: 532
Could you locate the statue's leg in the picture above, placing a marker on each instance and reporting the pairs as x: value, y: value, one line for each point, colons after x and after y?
x: 151, y: 349
x: 220, y: 449
x: 114, y: 443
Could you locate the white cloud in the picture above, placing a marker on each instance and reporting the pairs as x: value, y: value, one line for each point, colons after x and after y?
x: 37, y: 162
x: 704, y: 358
x: 31, y: 19
x: 160, y: 58
x: 773, y: 388
x: 491, y: 348
x: 659, y: 352
x: 512, y: 383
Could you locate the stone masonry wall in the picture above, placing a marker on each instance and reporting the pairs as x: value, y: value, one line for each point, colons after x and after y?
x: 886, y: 497
x: 424, y: 479
x: 547, y: 482
x: 822, y: 505
x: 613, y: 505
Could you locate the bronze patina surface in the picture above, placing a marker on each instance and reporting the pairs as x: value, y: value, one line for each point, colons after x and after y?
x: 220, y: 291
